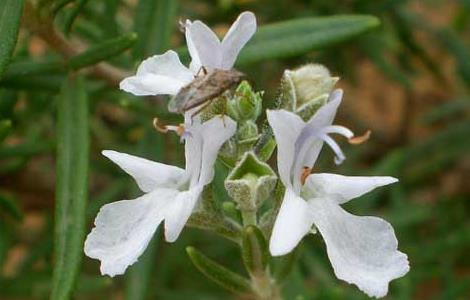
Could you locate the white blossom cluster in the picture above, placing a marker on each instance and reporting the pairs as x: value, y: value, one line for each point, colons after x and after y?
x: 362, y: 249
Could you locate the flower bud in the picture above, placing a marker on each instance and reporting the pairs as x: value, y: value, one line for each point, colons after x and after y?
x: 250, y: 182
x: 306, y: 89
x: 245, y: 103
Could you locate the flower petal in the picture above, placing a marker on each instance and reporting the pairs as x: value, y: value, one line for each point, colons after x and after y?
x: 293, y: 222
x: 179, y: 212
x: 215, y: 133
x: 150, y: 85
x: 362, y: 250
x: 326, y: 114
x: 311, y: 139
x: 124, y: 228
x: 286, y: 127
x: 238, y: 35
x: 149, y: 175
x: 159, y: 74
x: 195, y: 64
x: 344, y: 188
x: 205, y: 43
x: 203, y: 142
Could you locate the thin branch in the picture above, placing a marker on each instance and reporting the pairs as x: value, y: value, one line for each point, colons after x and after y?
x: 44, y: 28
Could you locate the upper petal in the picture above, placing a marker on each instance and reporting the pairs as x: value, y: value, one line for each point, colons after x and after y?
x: 362, y: 250
x: 286, y: 127
x: 195, y: 64
x: 148, y: 175
x: 293, y: 222
x: 179, y: 212
x: 124, y: 228
x: 203, y: 143
x: 344, y: 188
x: 326, y: 114
x: 204, y: 45
x: 238, y: 35
x: 151, y: 84
x: 159, y: 74
x: 311, y: 138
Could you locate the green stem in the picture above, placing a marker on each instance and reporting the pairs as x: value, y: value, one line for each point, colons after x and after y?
x: 265, y: 287
x: 249, y: 217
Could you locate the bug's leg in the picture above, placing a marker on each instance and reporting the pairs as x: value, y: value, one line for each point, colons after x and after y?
x: 202, y: 70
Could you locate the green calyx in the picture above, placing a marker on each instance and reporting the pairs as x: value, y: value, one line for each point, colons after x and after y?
x: 245, y: 104
x: 306, y: 89
x: 250, y: 182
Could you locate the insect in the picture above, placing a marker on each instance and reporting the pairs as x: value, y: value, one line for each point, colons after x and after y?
x: 204, y: 88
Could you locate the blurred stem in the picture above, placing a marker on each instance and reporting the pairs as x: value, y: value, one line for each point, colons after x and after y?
x: 265, y: 287
x: 249, y: 217
x: 43, y: 27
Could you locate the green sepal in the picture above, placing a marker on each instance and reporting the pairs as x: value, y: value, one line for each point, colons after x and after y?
x: 219, y: 274
x: 305, y: 89
x: 307, y: 110
x: 250, y: 182
x: 230, y: 210
x: 255, y: 252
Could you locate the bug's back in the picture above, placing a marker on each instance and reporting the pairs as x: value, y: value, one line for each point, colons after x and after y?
x: 204, y: 88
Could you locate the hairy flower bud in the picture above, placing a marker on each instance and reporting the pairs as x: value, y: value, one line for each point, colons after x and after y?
x: 245, y: 104
x: 250, y: 182
x: 306, y: 89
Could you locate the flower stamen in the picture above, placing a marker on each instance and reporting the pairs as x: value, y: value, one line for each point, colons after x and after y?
x: 305, y: 173
x: 180, y: 129
x: 357, y: 140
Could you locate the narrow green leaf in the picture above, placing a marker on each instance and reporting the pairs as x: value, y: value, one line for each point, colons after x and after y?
x: 49, y: 83
x: 299, y: 36
x: 30, y: 67
x: 9, y: 205
x: 103, y: 51
x: 255, y: 252
x: 72, y: 14
x: 165, y: 23
x: 5, y: 129
x: 154, y: 23
x: 10, y: 16
x: 4, y: 242
x: 58, y: 5
x: 219, y: 274
x: 71, y: 186
x: 456, y: 46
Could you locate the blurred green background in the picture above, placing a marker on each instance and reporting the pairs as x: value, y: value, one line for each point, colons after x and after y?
x: 406, y: 79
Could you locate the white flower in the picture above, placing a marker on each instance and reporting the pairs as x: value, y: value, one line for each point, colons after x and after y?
x: 362, y: 250
x: 166, y: 75
x: 124, y: 228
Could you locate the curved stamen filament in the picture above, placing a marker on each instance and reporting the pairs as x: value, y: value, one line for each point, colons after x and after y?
x: 335, y: 147
x: 357, y: 140
x: 346, y: 132
x: 179, y: 130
